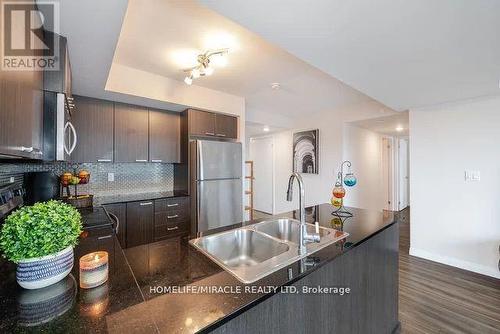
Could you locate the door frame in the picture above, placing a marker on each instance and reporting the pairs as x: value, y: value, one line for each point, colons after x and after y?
x: 397, y: 174
x: 273, y: 174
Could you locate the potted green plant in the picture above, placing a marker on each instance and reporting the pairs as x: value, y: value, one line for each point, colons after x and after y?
x: 40, y: 239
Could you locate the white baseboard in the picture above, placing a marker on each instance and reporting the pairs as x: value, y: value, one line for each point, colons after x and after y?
x: 466, y: 265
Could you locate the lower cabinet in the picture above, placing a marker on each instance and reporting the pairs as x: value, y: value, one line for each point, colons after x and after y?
x: 140, y: 217
x: 171, y: 217
x: 143, y: 222
x: 119, y: 210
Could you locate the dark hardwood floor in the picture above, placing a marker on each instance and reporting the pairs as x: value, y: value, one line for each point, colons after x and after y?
x: 435, y: 298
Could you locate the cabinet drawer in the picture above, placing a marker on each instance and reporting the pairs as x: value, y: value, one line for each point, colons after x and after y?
x: 172, y: 205
x: 166, y: 230
x: 167, y: 218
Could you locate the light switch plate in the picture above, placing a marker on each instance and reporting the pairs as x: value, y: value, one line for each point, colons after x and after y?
x: 11, y: 179
x: 111, y: 177
x: 472, y: 175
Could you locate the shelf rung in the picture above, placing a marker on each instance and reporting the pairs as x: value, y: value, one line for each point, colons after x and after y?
x: 248, y: 192
x: 247, y: 208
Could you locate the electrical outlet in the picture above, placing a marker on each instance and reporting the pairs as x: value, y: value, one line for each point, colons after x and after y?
x: 111, y: 177
x: 11, y: 179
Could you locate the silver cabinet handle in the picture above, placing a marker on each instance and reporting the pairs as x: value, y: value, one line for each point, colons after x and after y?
x: 141, y: 160
x: 104, y: 237
x: 27, y: 149
x: 145, y: 203
x: 172, y: 217
x: 172, y: 228
x: 117, y: 221
x: 156, y: 160
x: 171, y: 205
x: 210, y: 133
x: 221, y: 135
x: 103, y: 160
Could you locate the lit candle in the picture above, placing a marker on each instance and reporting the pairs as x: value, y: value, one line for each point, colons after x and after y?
x: 93, y: 269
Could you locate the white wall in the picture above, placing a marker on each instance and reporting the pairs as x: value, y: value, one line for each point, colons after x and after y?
x: 364, y: 149
x: 453, y: 221
x: 330, y: 124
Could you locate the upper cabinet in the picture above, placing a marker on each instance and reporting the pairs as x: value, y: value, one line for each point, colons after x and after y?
x: 208, y: 124
x: 164, y: 136
x: 21, y: 111
x: 201, y: 123
x: 131, y: 133
x: 59, y: 81
x: 226, y: 126
x: 93, y: 121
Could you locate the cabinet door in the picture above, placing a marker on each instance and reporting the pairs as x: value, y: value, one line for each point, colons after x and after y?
x: 164, y: 136
x: 201, y: 123
x: 131, y: 133
x: 21, y: 114
x: 93, y: 120
x: 120, y: 211
x: 140, y: 216
x: 226, y: 126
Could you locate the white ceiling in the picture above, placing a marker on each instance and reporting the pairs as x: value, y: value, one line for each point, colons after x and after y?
x: 404, y: 54
x: 153, y: 38
x: 387, y: 125
x: 253, y: 129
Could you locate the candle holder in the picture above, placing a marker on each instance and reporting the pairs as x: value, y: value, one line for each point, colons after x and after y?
x: 93, y: 269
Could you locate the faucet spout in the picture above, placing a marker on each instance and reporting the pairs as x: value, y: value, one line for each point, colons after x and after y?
x: 304, y: 236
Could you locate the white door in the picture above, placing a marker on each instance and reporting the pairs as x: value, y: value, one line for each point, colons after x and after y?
x: 403, y: 174
x: 387, y: 173
x: 262, y: 155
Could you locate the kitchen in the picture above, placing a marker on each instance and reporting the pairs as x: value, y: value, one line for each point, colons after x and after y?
x: 131, y: 178
x: 161, y: 197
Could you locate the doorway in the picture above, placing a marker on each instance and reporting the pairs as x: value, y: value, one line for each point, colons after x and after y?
x: 403, y: 174
x: 262, y: 154
x: 388, y: 173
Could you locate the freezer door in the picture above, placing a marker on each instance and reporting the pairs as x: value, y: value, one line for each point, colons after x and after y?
x: 219, y: 203
x: 218, y: 160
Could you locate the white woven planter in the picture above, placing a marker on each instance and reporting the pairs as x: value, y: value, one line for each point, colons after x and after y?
x: 43, y: 271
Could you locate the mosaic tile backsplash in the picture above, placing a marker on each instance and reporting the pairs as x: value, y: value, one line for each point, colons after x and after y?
x: 129, y: 177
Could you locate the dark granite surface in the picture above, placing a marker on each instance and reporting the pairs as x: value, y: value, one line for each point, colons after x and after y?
x: 135, y: 298
x: 130, y: 197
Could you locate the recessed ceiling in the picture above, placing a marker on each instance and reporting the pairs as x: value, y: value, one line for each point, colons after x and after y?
x: 404, y: 54
x: 253, y: 129
x: 165, y: 36
x: 395, y: 125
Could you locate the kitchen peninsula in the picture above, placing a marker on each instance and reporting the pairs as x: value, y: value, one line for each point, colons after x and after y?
x: 359, y: 274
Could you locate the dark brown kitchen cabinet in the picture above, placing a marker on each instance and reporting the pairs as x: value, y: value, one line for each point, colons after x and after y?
x: 164, y: 136
x: 119, y: 210
x: 21, y: 114
x: 93, y: 120
x: 226, y: 126
x: 208, y: 124
x: 140, y: 218
x: 201, y: 123
x: 131, y: 133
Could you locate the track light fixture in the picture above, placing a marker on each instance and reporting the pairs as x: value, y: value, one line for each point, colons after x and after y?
x: 203, y: 68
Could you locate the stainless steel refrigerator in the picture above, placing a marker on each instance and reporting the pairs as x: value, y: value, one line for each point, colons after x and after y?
x: 216, y: 184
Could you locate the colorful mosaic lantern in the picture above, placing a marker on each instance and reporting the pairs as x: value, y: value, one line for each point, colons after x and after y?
x: 336, y: 202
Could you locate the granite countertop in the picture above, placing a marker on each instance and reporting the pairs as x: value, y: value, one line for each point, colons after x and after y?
x: 137, y: 300
x: 101, y: 199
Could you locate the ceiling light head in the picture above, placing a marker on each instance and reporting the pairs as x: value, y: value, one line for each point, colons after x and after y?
x: 188, y: 80
x: 266, y: 128
x: 399, y: 128
x: 195, y: 73
x: 219, y: 60
x: 275, y: 85
x: 208, y: 71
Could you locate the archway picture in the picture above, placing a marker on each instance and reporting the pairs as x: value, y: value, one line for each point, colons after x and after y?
x: 305, y: 152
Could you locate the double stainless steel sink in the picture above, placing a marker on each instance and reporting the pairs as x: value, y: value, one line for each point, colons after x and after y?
x: 252, y: 252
